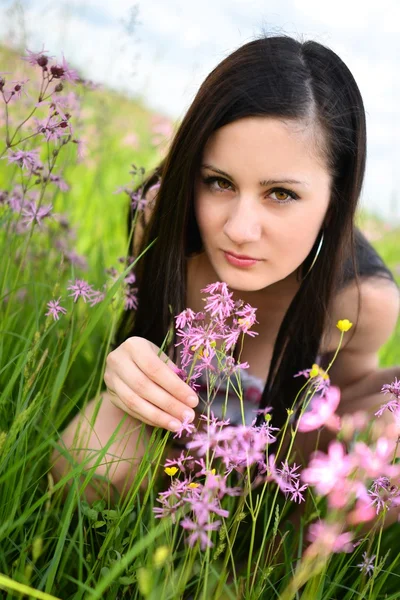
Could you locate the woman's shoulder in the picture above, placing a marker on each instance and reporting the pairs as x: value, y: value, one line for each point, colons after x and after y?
x: 373, y: 310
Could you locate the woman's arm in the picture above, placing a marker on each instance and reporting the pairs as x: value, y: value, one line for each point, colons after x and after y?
x: 80, y: 439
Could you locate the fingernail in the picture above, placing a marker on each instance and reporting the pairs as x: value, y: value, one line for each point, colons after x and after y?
x: 174, y: 425
x: 188, y: 414
x: 193, y: 400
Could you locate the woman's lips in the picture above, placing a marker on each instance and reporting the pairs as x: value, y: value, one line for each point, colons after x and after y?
x: 240, y: 262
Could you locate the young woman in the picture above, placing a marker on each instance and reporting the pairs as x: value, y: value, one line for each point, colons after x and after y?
x: 259, y: 190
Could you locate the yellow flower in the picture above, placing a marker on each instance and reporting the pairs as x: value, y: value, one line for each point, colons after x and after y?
x: 171, y: 471
x: 193, y: 485
x: 213, y: 471
x: 344, y: 325
x: 318, y: 371
x: 160, y: 556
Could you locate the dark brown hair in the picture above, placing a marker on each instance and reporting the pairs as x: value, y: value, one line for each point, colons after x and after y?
x: 280, y: 77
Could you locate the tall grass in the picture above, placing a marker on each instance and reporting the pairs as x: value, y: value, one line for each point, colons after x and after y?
x: 53, y: 543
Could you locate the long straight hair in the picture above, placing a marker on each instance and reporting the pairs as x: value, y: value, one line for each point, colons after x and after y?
x: 279, y: 77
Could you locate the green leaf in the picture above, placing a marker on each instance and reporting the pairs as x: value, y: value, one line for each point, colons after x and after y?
x: 99, y: 524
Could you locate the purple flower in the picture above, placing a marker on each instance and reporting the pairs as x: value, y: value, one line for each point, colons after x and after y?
x: 131, y: 278
x: 76, y: 259
x: 32, y: 213
x: 367, y: 565
x: 325, y: 471
x: 322, y: 412
x: 96, y: 297
x: 55, y: 309
x: 64, y: 72
x: 58, y: 181
x: 186, y: 426
x: 394, y: 403
x: 52, y: 128
x: 247, y: 318
x: 17, y: 90
x: 37, y: 58
x: 199, y: 532
x: 392, y: 388
x: 184, y: 318
x: 384, y: 494
x: 80, y: 288
x: 219, y: 302
x: 327, y: 538
x: 27, y: 159
x: 182, y: 462
x: 131, y: 299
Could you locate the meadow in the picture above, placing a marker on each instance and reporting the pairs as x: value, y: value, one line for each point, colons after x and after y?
x: 64, y: 205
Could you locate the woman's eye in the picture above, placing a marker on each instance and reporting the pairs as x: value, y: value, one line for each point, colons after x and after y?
x: 211, y: 181
x: 282, y: 196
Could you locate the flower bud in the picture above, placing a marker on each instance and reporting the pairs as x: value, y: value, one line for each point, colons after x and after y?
x: 42, y: 61
x: 59, y: 87
x: 2, y: 83
x: 57, y: 71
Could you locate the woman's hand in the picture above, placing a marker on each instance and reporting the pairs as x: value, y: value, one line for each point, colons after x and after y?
x: 145, y: 385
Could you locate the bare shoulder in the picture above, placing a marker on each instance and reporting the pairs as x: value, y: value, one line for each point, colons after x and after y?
x: 378, y: 306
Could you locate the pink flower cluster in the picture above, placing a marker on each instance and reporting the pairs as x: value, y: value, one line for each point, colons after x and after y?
x: 361, y: 482
x: 80, y: 289
x: 201, y: 332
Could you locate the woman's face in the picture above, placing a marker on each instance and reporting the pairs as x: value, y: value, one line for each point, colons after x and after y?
x: 267, y: 200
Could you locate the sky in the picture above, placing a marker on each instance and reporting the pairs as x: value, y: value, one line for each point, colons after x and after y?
x: 162, y: 50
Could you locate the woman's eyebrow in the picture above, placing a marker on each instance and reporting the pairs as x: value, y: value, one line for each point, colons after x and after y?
x: 265, y: 182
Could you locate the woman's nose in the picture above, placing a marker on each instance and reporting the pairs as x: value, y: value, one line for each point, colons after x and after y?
x: 243, y: 225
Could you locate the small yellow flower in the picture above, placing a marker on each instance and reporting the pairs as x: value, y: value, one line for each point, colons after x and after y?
x: 193, y: 485
x: 160, y: 556
x: 213, y: 471
x: 171, y: 471
x: 344, y: 325
x: 318, y: 371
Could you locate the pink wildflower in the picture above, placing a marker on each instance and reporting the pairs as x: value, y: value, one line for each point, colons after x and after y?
x: 131, y: 299
x: 37, y: 58
x: 96, y: 297
x: 367, y: 566
x: 55, y: 309
x: 184, y: 318
x: 247, y: 318
x: 199, y: 532
x: 64, y: 72
x: 322, y: 412
x: 326, y: 470
x: 384, y: 494
x: 27, y: 159
x: 392, y: 388
x: 15, y: 93
x: 375, y: 462
x: 219, y: 302
x: 186, y: 426
x: 58, y: 181
x: 327, y: 538
x: 182, y: 462
x: 80, y: 288
x: 34, y: 214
